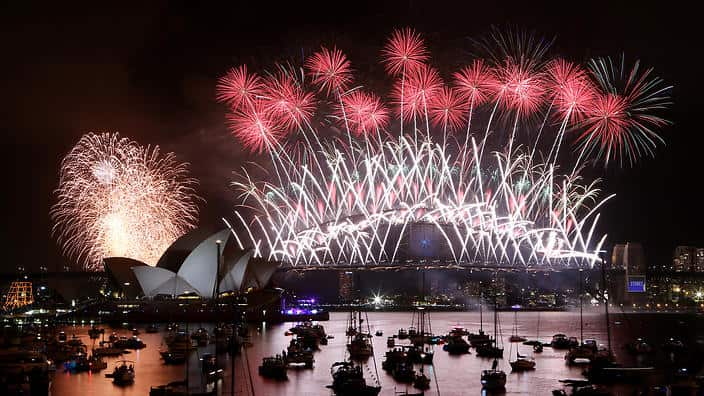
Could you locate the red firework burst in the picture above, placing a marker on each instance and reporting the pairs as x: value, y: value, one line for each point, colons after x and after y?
x: 608, y: 123
x: 256, y: 129
x: 475, y: 83
x: 570, y: 88
x: 365, y: 112
x: 330, y: 70
x: 415, y: 93
x: 287, y: 102
x: 239, y: 88
x: 519, y: 89
x: 447, y: 109
x: 404, y: 52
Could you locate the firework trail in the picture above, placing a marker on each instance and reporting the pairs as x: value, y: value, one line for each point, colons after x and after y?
x: 371, y: 196
x: 119, y: 199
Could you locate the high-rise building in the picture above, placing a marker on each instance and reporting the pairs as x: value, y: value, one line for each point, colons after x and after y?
x: 346, y: 286
x: 617, y: 256
x: 699, y: 260
x: 684, y: 259
x: 630, y: 259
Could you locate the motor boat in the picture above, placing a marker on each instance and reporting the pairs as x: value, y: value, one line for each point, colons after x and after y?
x: 348, y: 380
x: 273, y: 367
x: 123, y: 374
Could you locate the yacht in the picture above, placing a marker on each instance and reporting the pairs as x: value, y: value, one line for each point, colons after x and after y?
x: 348, y: 380
x: 493, y: 379
x: 273, y: 367
x: 123, y: 374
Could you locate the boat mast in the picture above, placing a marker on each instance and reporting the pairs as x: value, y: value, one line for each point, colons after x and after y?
x: 581, y: 303
x: 496, y: 333
x: 481, y: 319
x: 606, y: 305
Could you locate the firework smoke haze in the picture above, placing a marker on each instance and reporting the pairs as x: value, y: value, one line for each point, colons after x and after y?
x: 119, y: 199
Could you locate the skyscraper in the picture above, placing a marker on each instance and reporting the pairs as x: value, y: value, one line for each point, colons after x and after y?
x: 346, y: 286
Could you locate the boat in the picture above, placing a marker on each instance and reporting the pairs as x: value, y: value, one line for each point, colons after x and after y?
x: 97, y: 363
x: 581, y: 388
x: 479, y: 338
x: 514, y: 336
x: 129, y: 343
x: 209, y: 368
x: 522, y: 363
x: 456, y: 345
x: 107, y: 349
x: 491, y: 348
x: 173, y: 356
x: 421, y: 381
x: 179, y: 340
x: 561, y: 341
x: 95, y: 333
x: 348, y: 380
x: 359, y: 344
x: 584, y: 353
x: 75, y: 341
x: 393, y: 357
x: 273, y: 367
x: 201, y: 337
x: 360, y: 347
x: 536, y: 344
x: 402, y: 334
x: 390, y: 342
x: 297, y: 354
x: 123, y: 374
x: 493, y: 379
x: 419, y: 354
x: 30, y: 371
x: 422, y: 328
x: 403, y: 372
x: 77, y: 362
x: 379, y: 333
x: 639, y: 347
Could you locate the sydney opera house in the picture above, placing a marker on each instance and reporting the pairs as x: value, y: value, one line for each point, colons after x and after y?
x: 197, y: 264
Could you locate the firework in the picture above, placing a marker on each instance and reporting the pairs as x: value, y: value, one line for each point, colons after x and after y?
x: 404, y: 52
x: 330, y: 70
x: 622, y: 123
x: 374, y: 198
x: 119, y: 199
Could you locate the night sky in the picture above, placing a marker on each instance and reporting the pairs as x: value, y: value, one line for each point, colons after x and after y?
x: 150, y: 73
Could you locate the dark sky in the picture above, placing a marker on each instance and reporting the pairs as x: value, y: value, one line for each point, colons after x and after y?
x: 150, y: 72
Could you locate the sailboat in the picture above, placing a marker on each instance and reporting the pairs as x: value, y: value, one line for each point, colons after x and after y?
x: 538, y: 346
x: 586, y: 350
x: 514, y: 335
x: 493, y: 379
x: 359, y: 345
x: 491, y: 348
x: 522, y: 362
x: 481, y: 337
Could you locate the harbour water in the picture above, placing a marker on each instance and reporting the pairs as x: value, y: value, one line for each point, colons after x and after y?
x: 450, y: 375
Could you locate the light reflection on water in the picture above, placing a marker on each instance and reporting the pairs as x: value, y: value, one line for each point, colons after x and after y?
x: 456, y: 375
